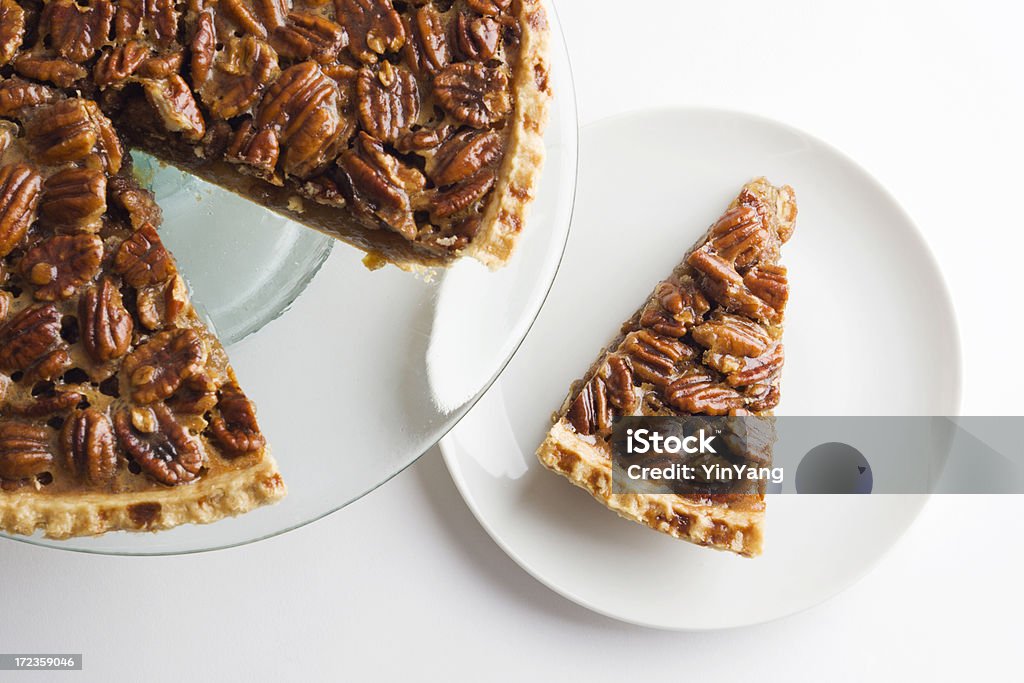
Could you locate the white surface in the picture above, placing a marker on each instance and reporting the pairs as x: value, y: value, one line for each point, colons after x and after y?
x: 928, y: 97
x: 815, y: 546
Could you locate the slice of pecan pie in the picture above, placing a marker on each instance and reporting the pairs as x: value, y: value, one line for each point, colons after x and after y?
x: 118, y: 409
x: 410, y: 129
x: 708, y: 341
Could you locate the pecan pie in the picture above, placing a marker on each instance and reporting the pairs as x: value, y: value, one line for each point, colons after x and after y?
x: 412, y: 129
x: 118, y: 409
x: 708, y: 341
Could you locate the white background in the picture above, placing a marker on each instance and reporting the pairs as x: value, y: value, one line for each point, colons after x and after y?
x: 929, y: 97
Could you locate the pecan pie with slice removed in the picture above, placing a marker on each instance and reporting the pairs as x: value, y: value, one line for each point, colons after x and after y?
x: 708, y: 341
x: 118, y: 408
x: 412, y: 130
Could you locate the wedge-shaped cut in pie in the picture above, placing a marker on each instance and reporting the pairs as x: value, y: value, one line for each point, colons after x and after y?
x: 708, y: 341
x: 118, y: 409
x: 412, y: 130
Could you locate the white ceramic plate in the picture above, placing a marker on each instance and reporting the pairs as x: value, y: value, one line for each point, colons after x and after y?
x: 870, y: 332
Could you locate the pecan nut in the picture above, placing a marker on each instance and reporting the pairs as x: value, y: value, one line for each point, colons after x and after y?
x: 759, y: 370
x: 61, y: 72
x: 12, y: 29
x: 75, y: 197
x: 168, y: 453
x: 769, y: 283
x: 654, y: 358
x: 75, y: 30
x: 57, y: 402
x: 156, y: 369
x: 721, y: 283
x: 473, y: 94
x: 142, y: 259
x: 490, y: 8
x: 477, y: 37
x: 159, y: 306
x: 464, y: 155
x: 373, y: 27
x: 70, y: 130
x: 242, y: 71
x: 308, y: 36
x: 733, y: 335
x: 57, y: 266
x: 16, y: 94
x: 696, y: 393
x: 380, y: 184
x: 676, y: 306
x: 590, y: 412
x: 29, y: 336
x: 24, y: 450
x: 197, y: 395
x: 116, y: 66
x: 233, y: 425
x: 739, y: 236
x: 106, y: 326
x: 389, y: 101
x: 257, y: 149
x: 203, y: 47
x: 139, y: 204
x: 51, y: 366
x: 244, y: 16
x: 174, y: 103
x: 303, y: 108
x: 90, y: 449
x: 157, y: 20
x: 463, y: 196
x: 426, y: 46
x: 20, y: 191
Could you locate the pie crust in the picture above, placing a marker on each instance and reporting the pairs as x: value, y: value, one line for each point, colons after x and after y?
x: 706, y: 342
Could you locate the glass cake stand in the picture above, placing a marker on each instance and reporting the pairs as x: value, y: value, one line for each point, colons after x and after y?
x: 355, y: 374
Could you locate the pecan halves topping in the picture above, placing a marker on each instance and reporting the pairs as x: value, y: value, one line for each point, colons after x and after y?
x: 117, y: 65
x: 381, y: 185
x: 106, y: 326
x: 74, y: 197
x: 696, y: 392
x: 244, y: 16
x: 676, y: 306
x: 464, y: 155
x: 257, y: 149
x: 61, y: 72
x: 12, y: 29
x: 462, y: 196
x: 233, y: 425
x: 143, y: 260
x: 20, y: 192
x: 16, y: 95
x: 203, y: 47
x: 156, y: 369
x: 769, y: 283
x: 477, y: 37
x: 764, y: 368
x: 426, y: 46
x: 153, y: 19
x: 241, y: 73
x: 139, y: 204
x: 90, y: 450
x: 590, y: 413
x: 70, y: 130
x: 43, y: 405
x: 724, y: 285
x: 389, y: 101
x: 654, y: 358
x: 160, y: 446
x: 473, y: 94
x: 373, y: 27
x: 57, y: 266
x: 303, y: 108
x: 618, y: 377
x: 490, y: 8
x: 159, y: 306
x: 739, y: 236
x: 29, y: 337
x: 305, y: 36
x: 733, y: 335
x: 174, y: 103
x: 24, y: 450
x: 75, y: 30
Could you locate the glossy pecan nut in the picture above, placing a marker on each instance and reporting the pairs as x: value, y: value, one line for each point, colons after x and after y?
x: 105, y: 325
x: 654, y: 358
x: 116, y: 66
x: 173, y: 101
x: 157, y: 368
x: 242, y: 70
x: 61, y: 72
x: 309, y: 36
x: 426, y: 47
x: 380, y: 185
x: 233, y: 425
x: 75, y: 30
x: 473, y: 94
x: 24, y: 450
x: 43, y: 405
x: 696, y: 392
x: 733, y: 335
x: 74, y: 197
x: 156, y: 20
x: 478, y: 38
x: 142, y: 259
x: 20, y: 191
x: 465, y: 155
x: 739, y: 236
x: 388, y: 99
x: 160, y: 306
x: 12, y: 29
x: 90, y: 449
x: 29, y: 336
x: 57, y: 266
x: 373, y: 26
x: 590, y: 412
x: 161, y: 447
x: 676, y: 306
x: 17, y: 95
